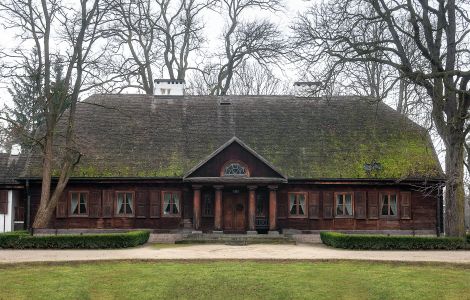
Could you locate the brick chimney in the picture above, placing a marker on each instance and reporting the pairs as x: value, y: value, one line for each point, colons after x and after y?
x: 15, y: 150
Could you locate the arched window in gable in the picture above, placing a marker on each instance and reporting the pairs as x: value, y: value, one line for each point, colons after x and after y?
x: 235, y: 169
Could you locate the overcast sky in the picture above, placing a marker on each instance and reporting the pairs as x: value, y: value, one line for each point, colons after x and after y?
x: 214, y: 25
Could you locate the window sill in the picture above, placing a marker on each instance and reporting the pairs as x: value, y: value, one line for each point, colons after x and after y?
x: 297, y: 217
x: 344, y: 217
x: 171, y: 216
x: 389, y: 218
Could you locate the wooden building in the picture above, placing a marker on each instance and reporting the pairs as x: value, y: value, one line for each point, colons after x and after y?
x: 12, y: 199
x: 246, y: 164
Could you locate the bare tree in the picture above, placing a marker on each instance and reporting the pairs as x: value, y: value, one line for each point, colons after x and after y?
x: 250, y: 78
x: 259, y: 40
x: 131, y: 29
x: 254, y: 79
x: 202, y: 80
x: 51, y: 27
x: 181, y: 34
x: 439, y: 30
x: 369, y: 77
x: 149, y: 33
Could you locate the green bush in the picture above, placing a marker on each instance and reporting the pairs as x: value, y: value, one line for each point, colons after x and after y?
x: 22, y: 240
x: 385, y: 242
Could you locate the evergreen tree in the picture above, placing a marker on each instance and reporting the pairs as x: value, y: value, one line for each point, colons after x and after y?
x: 25, y: 114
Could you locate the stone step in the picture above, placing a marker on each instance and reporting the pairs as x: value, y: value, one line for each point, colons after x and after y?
x: 235, y: 239
x: 187, y: 223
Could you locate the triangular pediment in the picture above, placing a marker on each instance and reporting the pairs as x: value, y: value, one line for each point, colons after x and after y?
x: 234, y: 150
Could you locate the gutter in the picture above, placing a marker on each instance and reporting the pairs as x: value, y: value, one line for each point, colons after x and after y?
x: 439, y: 211
x: 108, y: 178
x: 293, y: 180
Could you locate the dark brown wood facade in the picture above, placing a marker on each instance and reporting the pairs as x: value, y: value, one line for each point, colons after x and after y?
x: 415, y: 209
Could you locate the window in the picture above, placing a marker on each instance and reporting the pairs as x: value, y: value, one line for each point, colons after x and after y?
x: 235, y: 169
x: 125, y: 203
x: 343, y: 204
x: 171, y: 204
x: 388, y: 204
x: 78, y: 203
x: 208, y: 204
x: 297, y: 205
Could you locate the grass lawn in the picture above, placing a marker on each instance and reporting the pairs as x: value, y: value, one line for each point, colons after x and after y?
x: 234, y: 280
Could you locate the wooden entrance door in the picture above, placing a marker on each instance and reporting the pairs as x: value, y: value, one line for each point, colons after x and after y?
x: 234, y: 211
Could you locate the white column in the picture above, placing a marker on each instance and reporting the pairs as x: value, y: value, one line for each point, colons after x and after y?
x: 6, y: 221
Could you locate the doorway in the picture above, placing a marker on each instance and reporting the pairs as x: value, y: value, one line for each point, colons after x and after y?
x: 235, y: 209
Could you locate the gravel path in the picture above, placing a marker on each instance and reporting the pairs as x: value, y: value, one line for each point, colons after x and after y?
x: 194, y: 252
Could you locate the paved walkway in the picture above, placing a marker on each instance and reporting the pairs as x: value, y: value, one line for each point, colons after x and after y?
x: 194, y: 252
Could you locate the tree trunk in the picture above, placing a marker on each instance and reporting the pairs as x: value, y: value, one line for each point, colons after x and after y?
x: 455, y: 193
x: 401, y: 96
x: 41, y: 220
x: 44, y: 215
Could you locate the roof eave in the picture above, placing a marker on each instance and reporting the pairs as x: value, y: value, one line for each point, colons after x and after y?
x: 393, y: 180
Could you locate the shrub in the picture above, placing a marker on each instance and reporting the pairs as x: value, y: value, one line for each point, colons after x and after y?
x: 10, y: 238
x: 22, y: 240
x: 385, y: 242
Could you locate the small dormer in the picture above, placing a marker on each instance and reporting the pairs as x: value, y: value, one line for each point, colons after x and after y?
x: 168, y: 87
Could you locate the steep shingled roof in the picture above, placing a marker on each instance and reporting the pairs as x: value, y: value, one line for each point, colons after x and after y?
x: 10, y: 168
x: 165, y: 136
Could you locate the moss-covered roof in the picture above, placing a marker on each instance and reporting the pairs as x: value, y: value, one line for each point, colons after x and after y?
x: 315, y: 138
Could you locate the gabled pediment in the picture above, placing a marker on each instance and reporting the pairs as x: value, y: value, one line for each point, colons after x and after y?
x: 234, y: 161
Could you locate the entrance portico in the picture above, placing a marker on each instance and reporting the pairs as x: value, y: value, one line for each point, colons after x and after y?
x: 238, y: 209
x: 244, y: 188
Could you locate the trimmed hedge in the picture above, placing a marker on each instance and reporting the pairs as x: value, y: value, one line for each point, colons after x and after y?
x: 22, y: 240
x: 385, y: 242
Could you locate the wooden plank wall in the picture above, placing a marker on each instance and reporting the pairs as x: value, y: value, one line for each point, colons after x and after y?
x: 101, y: 207
x: 416, y: 211
x: 320, y: 207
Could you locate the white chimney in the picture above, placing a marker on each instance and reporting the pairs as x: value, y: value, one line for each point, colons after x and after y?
x: 307, y: 88
x: 168, y: 87
x: 15, y: 150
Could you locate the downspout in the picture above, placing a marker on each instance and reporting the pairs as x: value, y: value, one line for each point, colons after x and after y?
x: 28, y: 206
x: 438, y: 211
x: 441, y: 215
